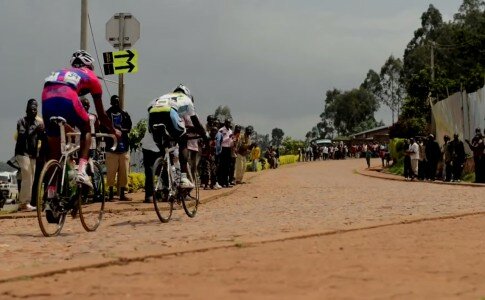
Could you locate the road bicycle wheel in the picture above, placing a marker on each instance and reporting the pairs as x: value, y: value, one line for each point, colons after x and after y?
x: 91, y: 200
x: 162, y: 201
x: 50, y: 214
x: 190, y: 201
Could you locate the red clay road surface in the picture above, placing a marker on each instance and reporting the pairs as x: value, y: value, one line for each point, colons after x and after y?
x: 309, y: 231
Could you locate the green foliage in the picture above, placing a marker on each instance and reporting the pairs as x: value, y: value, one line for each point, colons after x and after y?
x: 407, y: 128
x: 459, y: 59
x: 469, y: 177
x: 350, y: 109
x: 263, y: 141
x: 222, y: 113
x: 391, y: 91
x: 290, y: 146
x: 277, y: 135
x: 397, y: 167
x: 288, y: 159
x: 284, y: 160
x: 396, y: 148
x: 137, y: 133
x: 136, y: 182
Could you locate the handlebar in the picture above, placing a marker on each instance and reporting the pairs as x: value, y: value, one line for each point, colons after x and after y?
x: 99, y: 135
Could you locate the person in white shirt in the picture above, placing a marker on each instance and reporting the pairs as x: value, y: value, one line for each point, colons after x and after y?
x: 414, y: 155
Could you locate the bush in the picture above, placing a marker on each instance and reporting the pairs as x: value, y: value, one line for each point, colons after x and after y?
x: 407, y: 128
x: 288, y: 159
x: 396, y: 149
x: 397, y: 167
x: 284, y: 160
x: 136, y: 182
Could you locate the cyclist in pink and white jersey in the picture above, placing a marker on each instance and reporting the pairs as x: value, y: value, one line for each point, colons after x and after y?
x: 60, y: 97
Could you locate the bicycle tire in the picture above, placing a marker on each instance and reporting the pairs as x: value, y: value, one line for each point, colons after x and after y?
x: 50, y: 219
x: 91, y: 201
x: 162, y: 201
x: 190, y: 202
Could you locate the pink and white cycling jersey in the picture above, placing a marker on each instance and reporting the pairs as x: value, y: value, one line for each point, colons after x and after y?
x: 60, y: 96
x: 83, y: 80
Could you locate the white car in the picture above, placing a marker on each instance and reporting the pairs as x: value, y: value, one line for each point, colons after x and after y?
x: 8, y: 188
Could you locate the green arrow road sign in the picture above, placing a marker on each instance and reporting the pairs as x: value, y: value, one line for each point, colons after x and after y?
x: 120, y: 62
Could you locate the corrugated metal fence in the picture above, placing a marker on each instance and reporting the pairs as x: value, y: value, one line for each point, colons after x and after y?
x: 460, y: 113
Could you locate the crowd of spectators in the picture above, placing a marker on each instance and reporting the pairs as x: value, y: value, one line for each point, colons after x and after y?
x: 341, y: 150
x: 222, y: 158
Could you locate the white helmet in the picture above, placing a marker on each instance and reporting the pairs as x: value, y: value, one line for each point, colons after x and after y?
x: 183, y: 89
x: 81, y: 58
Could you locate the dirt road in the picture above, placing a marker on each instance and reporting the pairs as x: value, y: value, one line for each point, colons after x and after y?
x: 313, y: 230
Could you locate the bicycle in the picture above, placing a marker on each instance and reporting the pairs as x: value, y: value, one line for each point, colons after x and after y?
x: 166, y: 184
x: 58, y: 192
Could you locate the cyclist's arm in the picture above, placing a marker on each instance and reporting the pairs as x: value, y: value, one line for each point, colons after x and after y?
x: 198, y: 127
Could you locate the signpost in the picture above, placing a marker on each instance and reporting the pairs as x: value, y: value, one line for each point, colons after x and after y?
x: 122, y: 31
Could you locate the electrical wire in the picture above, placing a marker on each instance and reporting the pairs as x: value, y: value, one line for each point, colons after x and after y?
x: 97, y: 56
x: 453, y: 46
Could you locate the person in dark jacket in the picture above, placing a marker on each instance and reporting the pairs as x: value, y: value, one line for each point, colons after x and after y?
x: 457, y: 157
x: 477, y: 146
x: 433, y: 155
x: 118, y: 161
x: 29, y: 132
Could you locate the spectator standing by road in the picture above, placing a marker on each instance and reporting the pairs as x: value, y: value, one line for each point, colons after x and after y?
x: 208, y: 162
x: 225, y: 143
x: 255, y: 156
x: 235, y: 140
x: 422, y: 161
x: 458, y: 157
x: 192, y: 146
x: 150, y: 152
x: 368, y: 154
x: 118, y: 161
x: 29, y: 131
x: 414, y: 156
x: 407, y: 161
x: 477, y: 146
x: 447, y: 156
x: 243, y: 148
x: 325, y: 152
x: 433, y: 156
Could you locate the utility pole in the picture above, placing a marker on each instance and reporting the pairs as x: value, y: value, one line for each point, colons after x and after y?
x: 84, y: 24
x: 430, y: 99
x: 121, y: 84
x: 432, y: 61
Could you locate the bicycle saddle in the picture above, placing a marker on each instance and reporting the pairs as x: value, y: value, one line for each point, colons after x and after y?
x: 58, y: 120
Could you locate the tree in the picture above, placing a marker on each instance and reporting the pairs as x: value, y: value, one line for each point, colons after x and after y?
x: 351, y: 108
x: 326, y: 125
x: 372, y: 83
x: 391, y: 90
x: 277, y: 135
x: 222, y: 113
x: 291, y: 146
x: 262, y: 140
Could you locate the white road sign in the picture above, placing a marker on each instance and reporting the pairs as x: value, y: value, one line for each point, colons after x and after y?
x: 122, y: 26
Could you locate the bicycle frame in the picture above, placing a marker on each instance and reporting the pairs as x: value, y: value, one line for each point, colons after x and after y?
x: 69, y: 148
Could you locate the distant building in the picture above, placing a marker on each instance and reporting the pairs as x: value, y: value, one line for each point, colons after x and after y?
x: 378, y: 134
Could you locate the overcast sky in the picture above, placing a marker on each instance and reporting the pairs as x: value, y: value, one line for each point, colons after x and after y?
x: 269, y: 61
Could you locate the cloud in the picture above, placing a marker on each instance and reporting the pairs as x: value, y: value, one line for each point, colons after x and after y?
x: 269, y: 61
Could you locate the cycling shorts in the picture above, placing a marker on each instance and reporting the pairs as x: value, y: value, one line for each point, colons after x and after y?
x: 60, y: 100
x: 169, y: 117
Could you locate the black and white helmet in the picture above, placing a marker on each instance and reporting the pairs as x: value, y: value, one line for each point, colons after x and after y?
x: 183, y: 89
x: 81, y: 58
